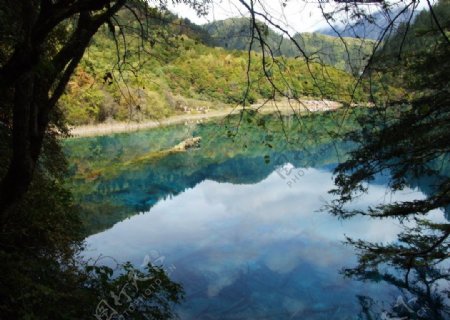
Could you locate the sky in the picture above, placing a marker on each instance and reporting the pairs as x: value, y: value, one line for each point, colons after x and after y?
x: 296, y: 15
x: 299, y: 15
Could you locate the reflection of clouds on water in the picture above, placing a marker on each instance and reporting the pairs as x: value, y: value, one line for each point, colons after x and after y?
x: 223, y: 233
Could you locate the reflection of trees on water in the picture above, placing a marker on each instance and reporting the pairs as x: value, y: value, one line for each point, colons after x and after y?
x: 417, y: 265
x: 109, y: 190
x: 111, y: 198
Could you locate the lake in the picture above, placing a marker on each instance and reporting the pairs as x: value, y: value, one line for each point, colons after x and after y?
x: 239, y: 222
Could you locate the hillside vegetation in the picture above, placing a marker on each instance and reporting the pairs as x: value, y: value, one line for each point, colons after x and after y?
x: 174, y: 71
x: 234, y: 34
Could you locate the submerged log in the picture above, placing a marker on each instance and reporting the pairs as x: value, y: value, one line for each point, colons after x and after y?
x: 190, y: 143
x: 187, y: 144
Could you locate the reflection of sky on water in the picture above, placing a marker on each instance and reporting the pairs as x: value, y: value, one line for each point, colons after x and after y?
x: 255, y: 251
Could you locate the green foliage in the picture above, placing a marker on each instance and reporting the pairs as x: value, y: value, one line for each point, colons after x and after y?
x: 136, y: 80
x: 84, y: 107
x: 395, y: 64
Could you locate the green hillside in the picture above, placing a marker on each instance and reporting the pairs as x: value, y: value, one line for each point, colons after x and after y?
x: 235, y: 34
x: 174, y: 72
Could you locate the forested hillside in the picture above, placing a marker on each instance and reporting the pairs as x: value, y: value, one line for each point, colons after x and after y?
x: 180, y: 69
x: 396, y: 63
x: 235, y: 34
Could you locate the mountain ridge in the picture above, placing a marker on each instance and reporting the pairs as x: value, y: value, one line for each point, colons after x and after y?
x: 235, y: 34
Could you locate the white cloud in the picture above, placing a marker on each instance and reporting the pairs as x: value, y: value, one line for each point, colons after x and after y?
x: 239, y: 222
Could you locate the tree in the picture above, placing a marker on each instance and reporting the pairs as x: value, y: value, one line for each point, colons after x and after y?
x: 45, y: 41
x: 42, y: 276
x: 36, y: 77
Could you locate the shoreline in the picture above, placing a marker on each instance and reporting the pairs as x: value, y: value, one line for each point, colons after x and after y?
x: 284, y: 107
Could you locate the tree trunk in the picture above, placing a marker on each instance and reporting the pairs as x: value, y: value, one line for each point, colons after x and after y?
x: 21, y: 168
x: 37, y: 91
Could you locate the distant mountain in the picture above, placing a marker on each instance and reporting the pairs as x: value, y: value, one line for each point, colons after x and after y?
x: 368, y: 28
x: 235, y: 33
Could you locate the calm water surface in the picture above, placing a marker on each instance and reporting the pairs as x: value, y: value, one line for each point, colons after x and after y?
x: 239, y: 227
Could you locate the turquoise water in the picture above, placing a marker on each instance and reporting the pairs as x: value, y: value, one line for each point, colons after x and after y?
x: 237, y: 223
